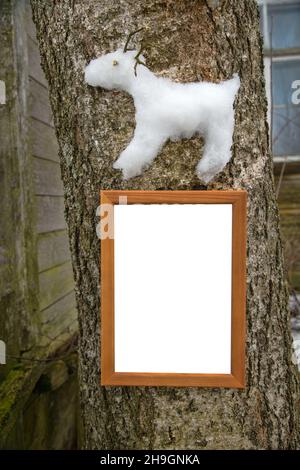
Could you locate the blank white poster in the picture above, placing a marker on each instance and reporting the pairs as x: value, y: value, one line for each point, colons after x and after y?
x: 173, y: 288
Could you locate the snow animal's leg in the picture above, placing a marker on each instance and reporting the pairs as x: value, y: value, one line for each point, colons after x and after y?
x: 143, y: 148
x: 217, y: 150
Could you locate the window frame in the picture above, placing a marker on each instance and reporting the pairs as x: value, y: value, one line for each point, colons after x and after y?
x: 275, y: 55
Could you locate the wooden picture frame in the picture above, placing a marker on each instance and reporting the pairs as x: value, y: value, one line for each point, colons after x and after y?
x: 236, y: 376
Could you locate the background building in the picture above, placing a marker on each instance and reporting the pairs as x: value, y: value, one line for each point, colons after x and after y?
x: 280, y: 26
x: 38, y: 318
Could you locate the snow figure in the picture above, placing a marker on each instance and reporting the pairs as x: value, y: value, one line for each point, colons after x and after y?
x: 168, y: 110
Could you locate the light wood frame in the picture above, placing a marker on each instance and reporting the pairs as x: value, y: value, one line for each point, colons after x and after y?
x: 236, y: 379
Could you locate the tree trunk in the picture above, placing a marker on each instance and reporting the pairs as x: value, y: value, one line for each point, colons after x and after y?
x: 187, y: 41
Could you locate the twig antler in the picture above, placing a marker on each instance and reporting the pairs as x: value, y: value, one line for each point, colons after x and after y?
x: 126, y: 48
x: 137, y: 58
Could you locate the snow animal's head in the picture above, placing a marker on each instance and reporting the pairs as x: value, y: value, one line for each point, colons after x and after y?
x: 117, y: 69
x: 114, y: 70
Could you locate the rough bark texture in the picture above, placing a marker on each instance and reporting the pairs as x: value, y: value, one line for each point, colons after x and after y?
x: 187, y: 41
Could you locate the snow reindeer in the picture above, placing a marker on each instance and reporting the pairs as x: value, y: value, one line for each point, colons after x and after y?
x: 168, y: 110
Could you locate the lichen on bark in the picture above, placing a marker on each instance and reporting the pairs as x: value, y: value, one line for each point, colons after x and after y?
x: 187, y: 41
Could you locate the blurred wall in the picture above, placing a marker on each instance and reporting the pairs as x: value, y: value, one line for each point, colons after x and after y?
x: 38, y: 319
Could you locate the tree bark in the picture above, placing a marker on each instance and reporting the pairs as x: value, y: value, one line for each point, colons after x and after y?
x: 187, y: 41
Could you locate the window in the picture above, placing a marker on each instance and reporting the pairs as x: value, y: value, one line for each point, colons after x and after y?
x: 280, y: 26
x: 286, y: 115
